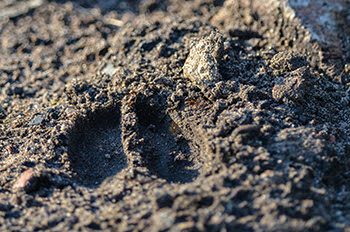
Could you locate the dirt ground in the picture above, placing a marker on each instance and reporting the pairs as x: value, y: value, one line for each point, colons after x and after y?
x: 149, y: 115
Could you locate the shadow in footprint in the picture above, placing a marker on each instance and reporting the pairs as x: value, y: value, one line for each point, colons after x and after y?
x: 166, y: 153
x: 95, y: 149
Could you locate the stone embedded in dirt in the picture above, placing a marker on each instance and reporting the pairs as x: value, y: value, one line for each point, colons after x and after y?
x: 27, y: 181
x: 201, y: 66
x: 108, y: 69
x: 291, y: 87
x: 292, y: 71
x: 36, y: 121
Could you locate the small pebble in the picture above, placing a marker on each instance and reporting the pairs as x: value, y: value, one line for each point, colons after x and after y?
x: 27, y: 181
x: 108, y: 69
x: 37, y: 120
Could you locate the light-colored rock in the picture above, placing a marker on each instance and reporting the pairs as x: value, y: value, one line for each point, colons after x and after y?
x: 26, y: 181
x: 201, y: 66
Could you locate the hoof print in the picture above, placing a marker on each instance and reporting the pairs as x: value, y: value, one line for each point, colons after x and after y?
x: 95, y: 150
x: 165, y: 152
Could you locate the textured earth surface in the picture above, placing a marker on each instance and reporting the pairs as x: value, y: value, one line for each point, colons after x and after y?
x: 148, y: 115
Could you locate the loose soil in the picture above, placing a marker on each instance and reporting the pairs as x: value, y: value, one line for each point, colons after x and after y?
x: 150, y: 115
